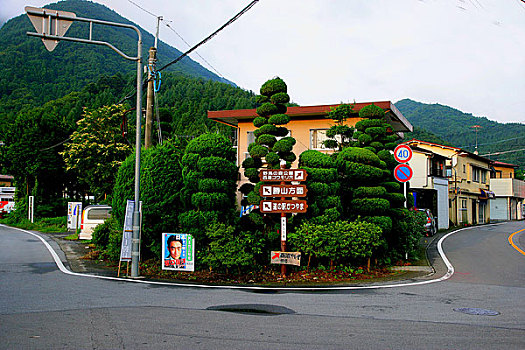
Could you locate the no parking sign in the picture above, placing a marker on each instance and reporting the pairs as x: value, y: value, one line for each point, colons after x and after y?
x: 403, y: 173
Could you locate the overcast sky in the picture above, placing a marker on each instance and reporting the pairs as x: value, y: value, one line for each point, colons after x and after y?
x: 467, y: 54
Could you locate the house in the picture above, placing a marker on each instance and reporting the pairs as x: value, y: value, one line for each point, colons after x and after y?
x: 509, y: 193
x: 308, y: 125
x: 429, y: 183
x: 468, y: 183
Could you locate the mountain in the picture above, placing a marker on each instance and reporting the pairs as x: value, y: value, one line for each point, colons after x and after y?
x: 32, y: 75
x: 497, y: 141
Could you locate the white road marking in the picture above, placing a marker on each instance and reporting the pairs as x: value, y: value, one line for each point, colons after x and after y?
x: 450, y: 272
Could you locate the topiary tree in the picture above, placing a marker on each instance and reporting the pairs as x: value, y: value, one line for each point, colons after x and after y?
x: 161, y: 183
x: 209, y: 175
x: 324, y: 202
x: 271, y: 145
x: 340, y: 135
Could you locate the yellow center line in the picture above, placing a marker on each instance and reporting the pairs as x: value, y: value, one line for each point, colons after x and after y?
x: 512, y: 243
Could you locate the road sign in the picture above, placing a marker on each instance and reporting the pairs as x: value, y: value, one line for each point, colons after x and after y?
x: 286, y: 258
x: 403, y: 173
x: 282, y: 175
x: 283, y: 206
x: 283, y: 190
x: 49, y: 22
x: 403, y: 153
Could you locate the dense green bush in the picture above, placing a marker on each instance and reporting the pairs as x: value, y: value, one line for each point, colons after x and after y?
x: 216, y: 168
x: 161, y: 183
x: 340, y: 242
x: 279, y: 119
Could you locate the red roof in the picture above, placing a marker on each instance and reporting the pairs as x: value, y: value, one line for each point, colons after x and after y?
x: 232, y: 117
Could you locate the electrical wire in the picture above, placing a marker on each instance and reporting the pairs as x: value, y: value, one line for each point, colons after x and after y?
x: 180, y: 36
x: 202, y: 58
x: 233, y: 19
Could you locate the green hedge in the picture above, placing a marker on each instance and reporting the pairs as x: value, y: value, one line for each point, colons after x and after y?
x: 370, y: 206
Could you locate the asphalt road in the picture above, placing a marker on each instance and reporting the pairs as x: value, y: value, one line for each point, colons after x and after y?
x: 42, y: 307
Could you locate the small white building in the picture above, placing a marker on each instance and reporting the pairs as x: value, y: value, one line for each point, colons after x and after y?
x: 509, y: 193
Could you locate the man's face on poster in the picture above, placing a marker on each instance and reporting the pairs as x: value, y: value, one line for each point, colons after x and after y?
x: 175, y: 249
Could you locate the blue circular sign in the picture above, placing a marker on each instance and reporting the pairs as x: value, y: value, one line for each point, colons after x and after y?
x: 403, y: 173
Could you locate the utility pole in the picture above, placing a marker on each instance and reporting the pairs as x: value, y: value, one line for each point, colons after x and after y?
x: 150, y: 97
x: 51, y: 26
x: 476, y: 127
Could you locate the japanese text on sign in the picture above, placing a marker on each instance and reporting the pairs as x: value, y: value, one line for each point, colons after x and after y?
x: 283, y: 206
x: 283, y: 190
x: 282, y: 175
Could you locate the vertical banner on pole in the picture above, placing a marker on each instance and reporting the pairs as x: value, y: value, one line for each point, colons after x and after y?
x: 31, y: 208
x: 283, y: 228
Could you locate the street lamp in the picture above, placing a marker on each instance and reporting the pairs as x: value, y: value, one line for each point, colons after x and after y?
x: 51, y: 26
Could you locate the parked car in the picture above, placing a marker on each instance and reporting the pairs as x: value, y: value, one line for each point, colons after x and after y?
x: 92, y: 216
x: 430, y: 224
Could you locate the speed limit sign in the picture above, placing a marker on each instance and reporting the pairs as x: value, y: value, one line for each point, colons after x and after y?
x: 403, y: 153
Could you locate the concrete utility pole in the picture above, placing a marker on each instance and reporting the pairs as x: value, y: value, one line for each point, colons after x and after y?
x: 150, y: 97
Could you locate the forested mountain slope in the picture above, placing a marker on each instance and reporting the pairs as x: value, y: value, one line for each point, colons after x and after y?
x: 497, y: 141
x: 32, y: 75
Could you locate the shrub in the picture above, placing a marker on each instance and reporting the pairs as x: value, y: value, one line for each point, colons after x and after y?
x: 279, y: 119
x: 273, y: 86
x: 370, y: 192
x: 252, y: 163
x: 370, y: 206
x: 280, y: 98
x: 397, y: 200
x: 257, y: 151
x: 267, y: 109
x: 321, y: 175
x: 266, y: 139
x: 356, y: 154
x: 272, y: 158
x: 284, y: 145
x: 371, y: 112
x: 212, y: 145
x: 366, y: 123
x: 315, y: 159
x: 259, y: 121
x: 217, y: 167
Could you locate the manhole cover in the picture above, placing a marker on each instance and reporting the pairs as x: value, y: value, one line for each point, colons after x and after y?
x: 476, y: 311
x: 253, y: 309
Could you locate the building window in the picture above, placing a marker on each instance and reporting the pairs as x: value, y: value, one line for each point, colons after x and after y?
x: 250, y: 138
x: 317, y: 136
x: 475, y: 174
x: 483, y: 176
x: 464, y: 169
x: 463, y: 204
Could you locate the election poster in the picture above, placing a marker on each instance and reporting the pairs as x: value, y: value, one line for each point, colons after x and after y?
x: 178, y: 252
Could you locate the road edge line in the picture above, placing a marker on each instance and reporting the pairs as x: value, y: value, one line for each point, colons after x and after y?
x: 450, y: 272
x: 512, y: 242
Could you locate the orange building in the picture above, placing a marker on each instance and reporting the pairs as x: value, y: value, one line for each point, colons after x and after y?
x: 308, y: 125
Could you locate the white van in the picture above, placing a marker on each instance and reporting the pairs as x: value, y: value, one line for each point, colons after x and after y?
x: 92, y: 216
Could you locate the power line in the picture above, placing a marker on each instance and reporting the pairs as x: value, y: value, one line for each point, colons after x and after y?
x: 491, y: 143
x: 233, y: 19
x: 180, y: 36
x: 496, y: 153
x: 208, y: 63
x: 143, y: 9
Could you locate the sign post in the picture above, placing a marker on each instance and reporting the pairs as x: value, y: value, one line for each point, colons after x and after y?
x: 403, y: 172
x: 283, y: 205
